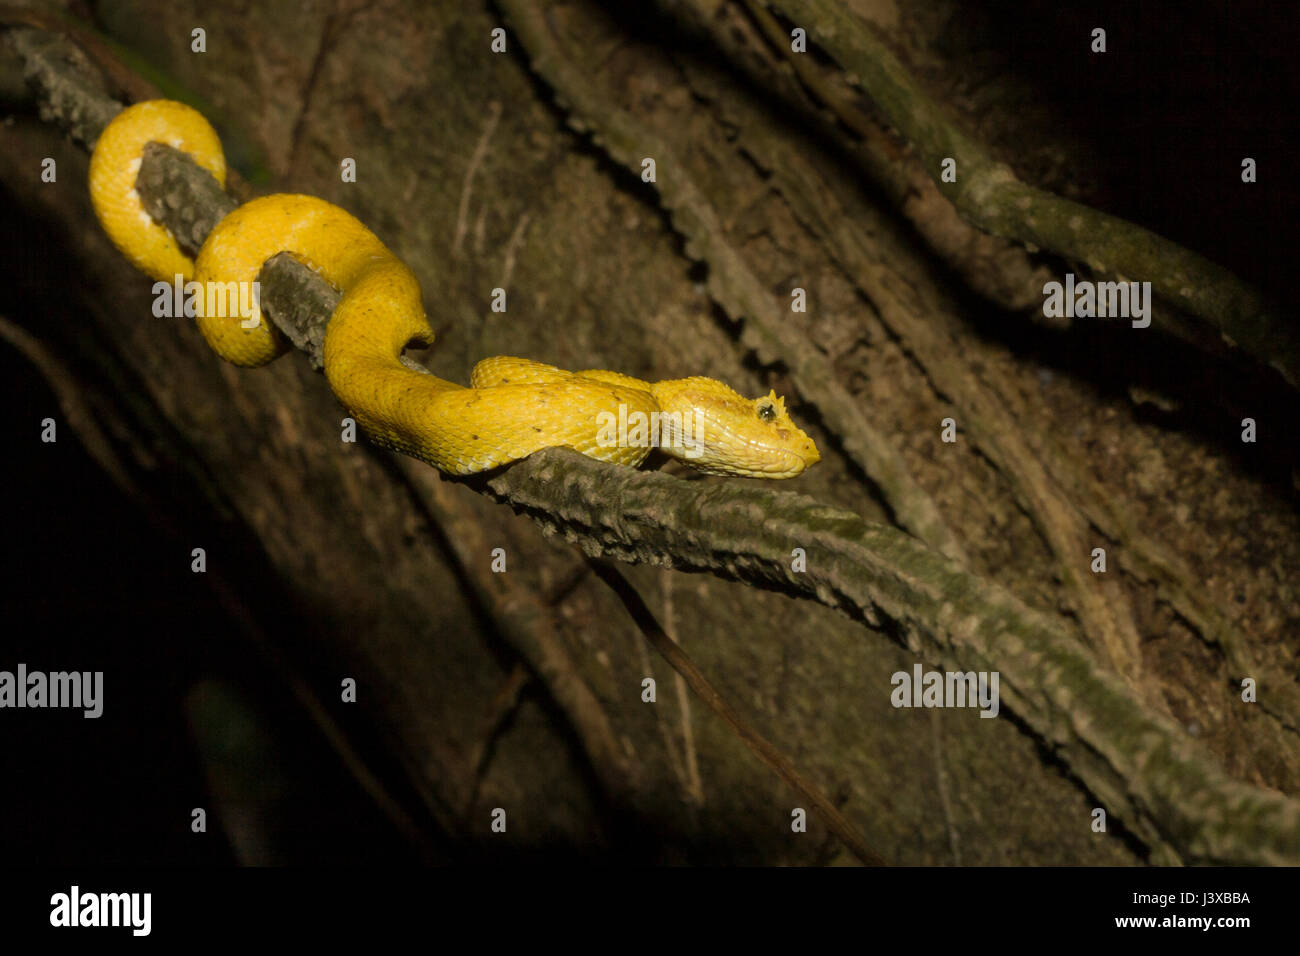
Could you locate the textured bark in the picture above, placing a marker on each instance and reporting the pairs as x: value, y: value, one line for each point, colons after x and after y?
x: 990, y: 195
x: 1142, y: 766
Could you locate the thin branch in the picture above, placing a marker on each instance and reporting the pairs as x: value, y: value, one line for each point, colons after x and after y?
x: 524, y: 623
x: 988, y: 194
x: 467, y: 187
x: 74, y: 406
x: 681, y: 662
x: 1000, y: 270
x: 57, y: 55
x: 69, y: 90
x: 500, y: 709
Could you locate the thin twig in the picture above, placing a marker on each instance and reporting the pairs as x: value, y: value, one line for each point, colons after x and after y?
x: 681, y: 662
x: 467, y: 187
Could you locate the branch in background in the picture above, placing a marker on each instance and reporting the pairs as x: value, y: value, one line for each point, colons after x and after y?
x: 1001, y: 271
x: 770, y: 331
x: 990, y: 195
x: 759, y: 745
x: 524, y: 623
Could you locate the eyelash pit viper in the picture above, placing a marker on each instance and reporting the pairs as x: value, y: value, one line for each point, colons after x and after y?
x: 513, y: 406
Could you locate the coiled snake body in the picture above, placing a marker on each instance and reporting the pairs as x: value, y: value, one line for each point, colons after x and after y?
x: 514, y: 406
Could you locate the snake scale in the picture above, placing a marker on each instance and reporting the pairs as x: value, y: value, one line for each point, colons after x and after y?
x: 513, y: 407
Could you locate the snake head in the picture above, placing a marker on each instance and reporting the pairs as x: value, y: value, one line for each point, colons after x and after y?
x: 725, y: 433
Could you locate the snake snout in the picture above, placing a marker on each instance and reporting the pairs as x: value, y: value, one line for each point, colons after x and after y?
x: 788, y: 462
x: 807, y: 457
x: 797, y: 455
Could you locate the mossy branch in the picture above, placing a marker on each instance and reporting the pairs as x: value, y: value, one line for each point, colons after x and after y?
x: 1142, y: 766
x: 989, y: 194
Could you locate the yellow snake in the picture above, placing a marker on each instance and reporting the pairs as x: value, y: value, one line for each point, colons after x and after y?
x: 514, y: 406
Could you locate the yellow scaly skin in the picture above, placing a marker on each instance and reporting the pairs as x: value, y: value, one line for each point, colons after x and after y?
x: 513, y: 407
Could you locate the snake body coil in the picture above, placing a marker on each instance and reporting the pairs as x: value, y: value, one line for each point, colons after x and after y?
x: 514, y: 406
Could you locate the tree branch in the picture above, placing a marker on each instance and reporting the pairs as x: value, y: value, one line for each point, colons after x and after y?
x: 1141, y: 765
x: 990, y: 195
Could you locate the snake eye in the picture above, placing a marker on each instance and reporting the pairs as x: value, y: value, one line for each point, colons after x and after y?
x: 766, y: 412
